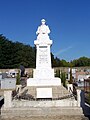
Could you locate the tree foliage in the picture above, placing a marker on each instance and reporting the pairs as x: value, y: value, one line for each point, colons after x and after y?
x: 82, y: 61
x: 63, y: 78
x: 18, y: 78
x: 14, y: 54
x: 71, y: 80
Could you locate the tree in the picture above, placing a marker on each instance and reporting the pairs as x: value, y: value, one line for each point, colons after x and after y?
x: 64, y: 63
x: 82, y: 61
x: 63, y: 78
x: 14, y: 54
x: 71, y: 80
x: 18, y: 78
x: 57, y: 73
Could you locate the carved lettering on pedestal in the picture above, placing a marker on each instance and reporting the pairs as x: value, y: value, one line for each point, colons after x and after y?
x: 43, y: 56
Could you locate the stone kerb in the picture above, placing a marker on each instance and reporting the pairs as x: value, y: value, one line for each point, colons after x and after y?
x: 54, y: 103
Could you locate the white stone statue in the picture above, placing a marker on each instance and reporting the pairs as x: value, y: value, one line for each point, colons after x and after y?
x: 43, y: 31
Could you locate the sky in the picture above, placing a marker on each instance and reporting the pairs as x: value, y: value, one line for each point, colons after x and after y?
x: 68, y: 20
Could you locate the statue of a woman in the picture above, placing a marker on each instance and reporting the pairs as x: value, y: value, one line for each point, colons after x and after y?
x: 43, y: 31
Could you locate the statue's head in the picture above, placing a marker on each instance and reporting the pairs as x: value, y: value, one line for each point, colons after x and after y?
x: 43, y: 21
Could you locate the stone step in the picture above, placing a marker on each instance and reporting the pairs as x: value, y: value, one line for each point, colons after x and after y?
x: 45, y: 103
x: 46, y: 111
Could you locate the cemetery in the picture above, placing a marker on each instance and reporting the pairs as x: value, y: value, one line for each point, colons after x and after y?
x: 44, y: 95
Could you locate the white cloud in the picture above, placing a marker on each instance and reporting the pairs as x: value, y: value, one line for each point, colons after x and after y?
x: 63, y: 50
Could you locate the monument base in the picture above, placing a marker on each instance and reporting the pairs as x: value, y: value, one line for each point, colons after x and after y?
x: 43, y: 82
x: 43, y: 73
x: 43, y: 88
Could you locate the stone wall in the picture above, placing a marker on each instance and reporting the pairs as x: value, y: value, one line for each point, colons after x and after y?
x: 29, y: 70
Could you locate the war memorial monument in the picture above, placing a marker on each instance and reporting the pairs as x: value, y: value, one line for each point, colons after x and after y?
x: 43, y: 82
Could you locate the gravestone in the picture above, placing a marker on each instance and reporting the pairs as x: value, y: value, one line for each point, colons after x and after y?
x: 4, y: 75
x: 43, y: 76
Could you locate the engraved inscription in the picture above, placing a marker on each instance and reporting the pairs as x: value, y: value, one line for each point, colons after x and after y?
x: 43, y: 58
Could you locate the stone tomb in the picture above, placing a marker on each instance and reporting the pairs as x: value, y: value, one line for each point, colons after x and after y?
x: 43, y: 82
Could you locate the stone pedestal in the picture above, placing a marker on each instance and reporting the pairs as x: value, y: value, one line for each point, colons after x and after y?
x: 7, y: 98
x: 43, y: 59
x: 78, y: 98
